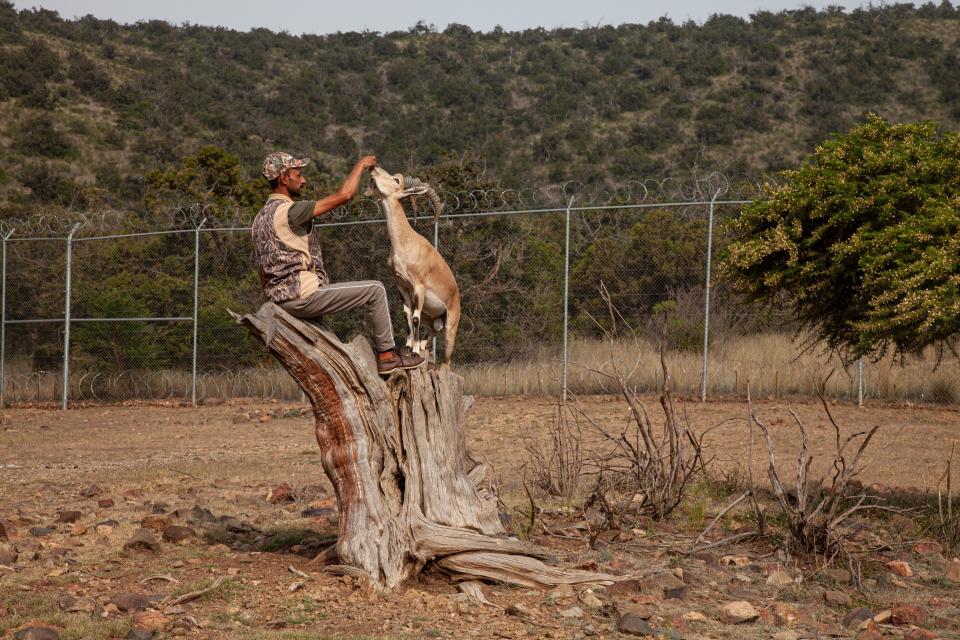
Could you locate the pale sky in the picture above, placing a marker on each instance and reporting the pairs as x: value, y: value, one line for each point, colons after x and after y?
x: 306, y: 16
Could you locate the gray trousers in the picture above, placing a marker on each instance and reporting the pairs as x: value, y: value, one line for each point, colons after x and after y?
x: 342, y: 296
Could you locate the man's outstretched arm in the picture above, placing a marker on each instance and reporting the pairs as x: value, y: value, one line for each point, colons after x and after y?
x: 347, y: 190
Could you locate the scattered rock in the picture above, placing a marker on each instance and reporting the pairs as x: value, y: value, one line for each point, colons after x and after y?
x: 856, y: 617
x: 91, y: 492
x: 838, y: 598
x: 176, y: 533
x: 840, y: 576
x: 199, y: 515
x: 69, y: 516
x: 780, y: 579
x: 900, y: 568
x: 590, y: 600
x: 78, y: 529
x: 562, y: 591
x: 105, y: 503
x: 150, y: 620
x: 40, y: 532
x: 871, y: 633
x: 920, y: 634
x: 517, y: 609
x: 36, y: 633
x: 143, y: 540
x: 156, y: 521
x: 787, y: 635
x: 140, y: 634
x: 8, y: 557
x: 898, y: 583
x: 130, y: 601
x: 677, y: 593
x: 660, y: 583
x: 3, y: 532
x: 738, y: 612
x: 642, y: 611
x: 70, y: 604
x: 283, y: 492
x: 633, y: 625
x: 158, y: 507
x: 734, y: 561
x: 693, y: 616
x: 624, y: 588
x: 922, y: 547
x: 883, y: 617
x: 572, y: 612
x: 907, y: 614
x: 952, y: 572
x: 784, y: 614
x: 103, y: 529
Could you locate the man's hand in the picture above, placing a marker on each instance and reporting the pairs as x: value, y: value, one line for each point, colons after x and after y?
x: 348, y: 189
x: 366, y: 162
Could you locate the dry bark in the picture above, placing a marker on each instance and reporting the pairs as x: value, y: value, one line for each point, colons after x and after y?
x: 409, y: 494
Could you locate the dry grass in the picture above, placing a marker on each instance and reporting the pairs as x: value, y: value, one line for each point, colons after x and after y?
x: 772, y: 364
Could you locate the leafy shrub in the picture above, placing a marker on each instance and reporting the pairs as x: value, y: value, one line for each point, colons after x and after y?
x: 38, y: 135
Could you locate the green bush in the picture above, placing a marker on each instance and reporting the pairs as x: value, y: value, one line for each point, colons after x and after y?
x: 861, y: 239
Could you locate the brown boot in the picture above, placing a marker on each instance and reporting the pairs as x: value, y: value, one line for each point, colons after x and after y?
x: 398, y: 360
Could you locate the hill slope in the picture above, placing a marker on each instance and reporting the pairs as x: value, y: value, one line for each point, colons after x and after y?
x: 90, y: 105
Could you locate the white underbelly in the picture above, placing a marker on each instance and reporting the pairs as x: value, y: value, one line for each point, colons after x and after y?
x: 433, y: 307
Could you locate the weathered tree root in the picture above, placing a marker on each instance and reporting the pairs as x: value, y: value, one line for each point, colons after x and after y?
x: 409, y: 493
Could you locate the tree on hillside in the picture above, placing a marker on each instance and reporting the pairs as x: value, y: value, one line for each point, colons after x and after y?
x: 862, y: 241
x: 212, y: 181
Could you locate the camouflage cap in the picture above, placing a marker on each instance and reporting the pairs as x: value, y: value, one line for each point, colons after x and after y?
x: 278, y: 162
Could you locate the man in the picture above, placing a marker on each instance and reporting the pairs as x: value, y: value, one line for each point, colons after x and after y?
x: 290, y: 262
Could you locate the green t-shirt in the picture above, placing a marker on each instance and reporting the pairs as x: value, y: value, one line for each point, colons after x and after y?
x: 300, y: 217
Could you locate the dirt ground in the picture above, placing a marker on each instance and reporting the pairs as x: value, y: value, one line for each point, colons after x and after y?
x: 213, y: 469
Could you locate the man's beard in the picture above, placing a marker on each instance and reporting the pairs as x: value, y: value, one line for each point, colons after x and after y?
x: 295, y: 193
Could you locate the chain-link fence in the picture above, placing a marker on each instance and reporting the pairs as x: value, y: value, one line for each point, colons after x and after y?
x: 557, y: 289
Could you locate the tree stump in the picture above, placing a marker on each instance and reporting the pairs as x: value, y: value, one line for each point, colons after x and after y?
x: 408, y: 492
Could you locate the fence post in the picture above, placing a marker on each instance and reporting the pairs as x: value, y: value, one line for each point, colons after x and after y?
x: 66, y: 319
x: 3, y: 321
x: 860, y: 382
x: 436, y: 245
x: 196, y: 300
x: 706, y: 299
x: 566, y: 299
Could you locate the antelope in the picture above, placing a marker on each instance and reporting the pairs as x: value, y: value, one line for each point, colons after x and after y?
x: 430, y: 294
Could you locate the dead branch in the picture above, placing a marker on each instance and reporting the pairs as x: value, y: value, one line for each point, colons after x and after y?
x: 817, y: 521
x: 193, y: 595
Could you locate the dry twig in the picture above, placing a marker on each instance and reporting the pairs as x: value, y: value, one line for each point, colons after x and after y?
x: 818, y: 515
x: 193, y: 595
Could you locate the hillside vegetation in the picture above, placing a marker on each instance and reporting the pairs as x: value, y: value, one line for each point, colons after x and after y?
x: 151, y: 118
x: 90, y: 106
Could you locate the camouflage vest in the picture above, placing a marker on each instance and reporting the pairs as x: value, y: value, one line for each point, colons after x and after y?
x: 291, y: 265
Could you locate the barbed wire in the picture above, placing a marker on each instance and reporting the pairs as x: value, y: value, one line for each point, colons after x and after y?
x: 188, y: 216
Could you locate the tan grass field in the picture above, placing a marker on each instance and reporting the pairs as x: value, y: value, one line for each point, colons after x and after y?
x: 773, y: 366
